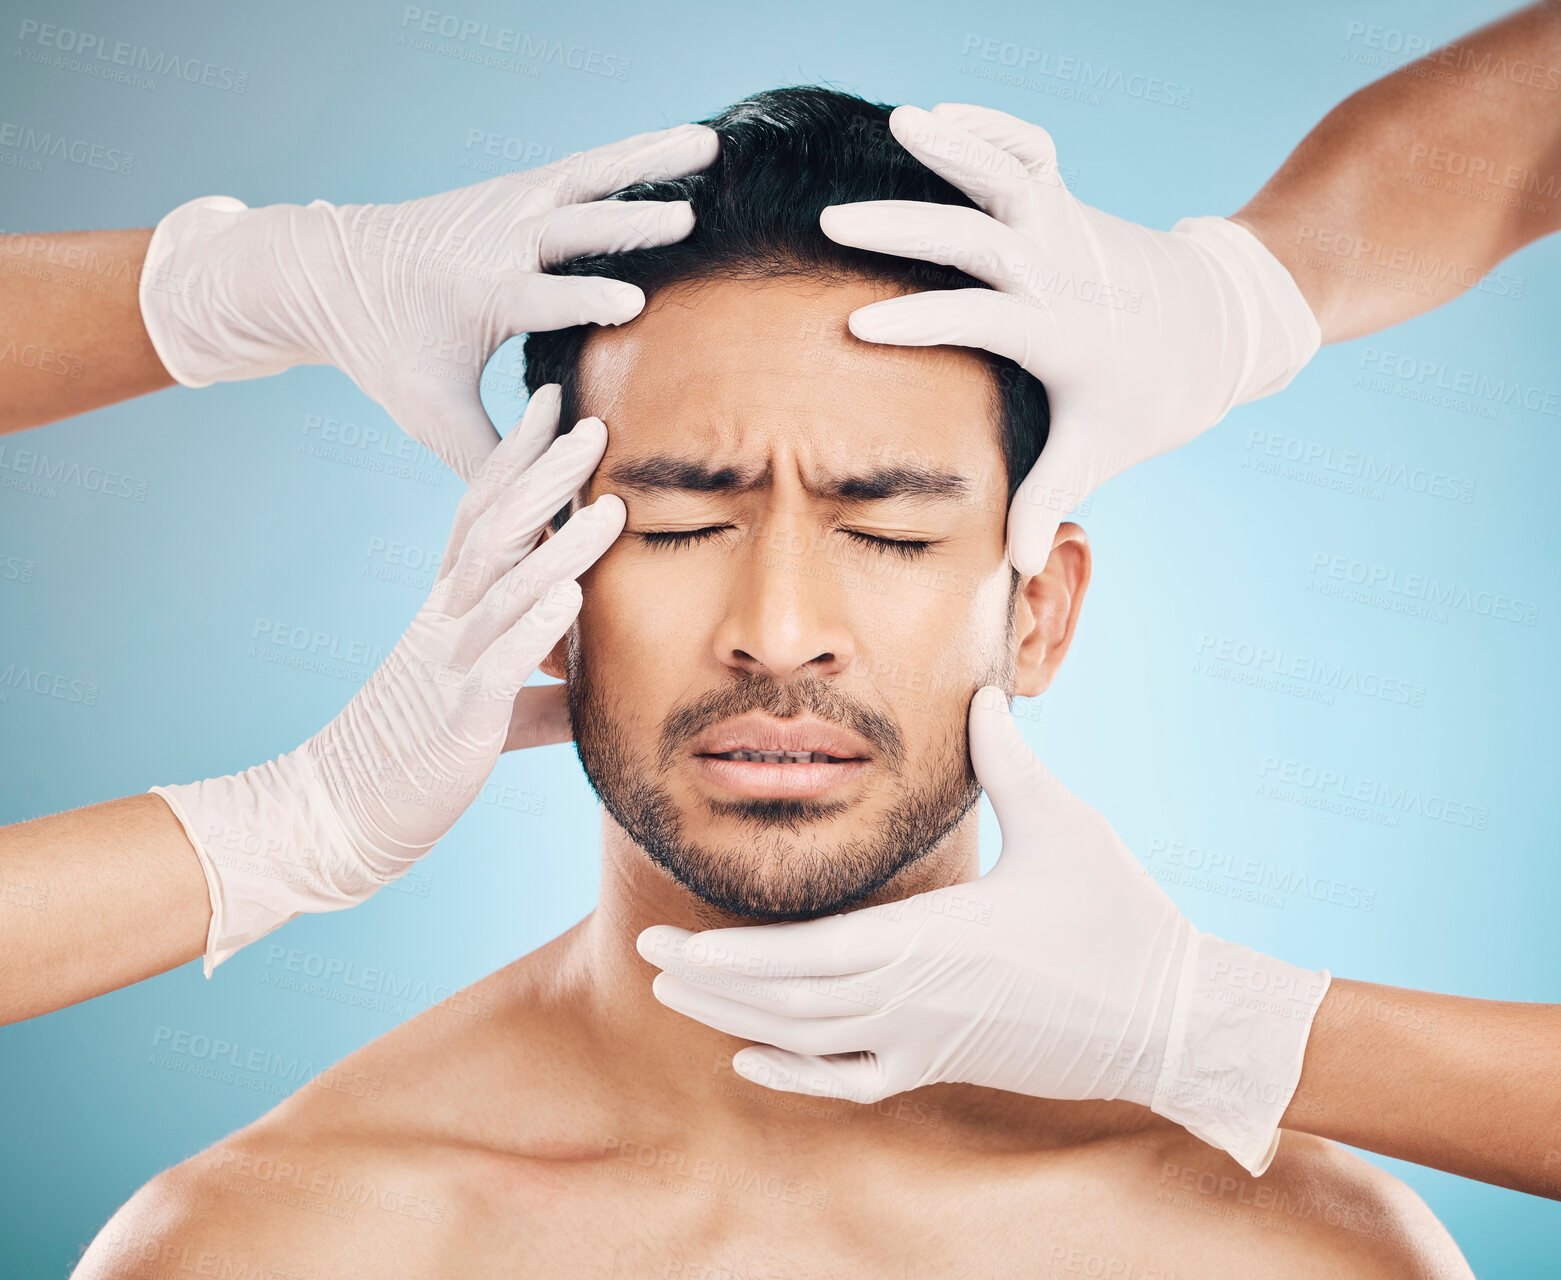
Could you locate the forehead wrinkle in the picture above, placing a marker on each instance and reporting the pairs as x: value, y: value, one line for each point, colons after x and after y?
x: 717, y: 429
x: 659, y: 473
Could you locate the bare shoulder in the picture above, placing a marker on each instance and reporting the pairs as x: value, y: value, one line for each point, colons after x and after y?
x: 1319, y: 1210
x: 364, y: 1170
x: 356, y: 1173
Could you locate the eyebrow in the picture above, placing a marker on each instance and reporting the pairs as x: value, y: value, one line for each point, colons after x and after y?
x: 662, y: 473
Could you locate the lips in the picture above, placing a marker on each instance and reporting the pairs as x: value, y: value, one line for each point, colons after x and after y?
x: 773, y: 741
x: 760, y: 756
x: 780, y: 757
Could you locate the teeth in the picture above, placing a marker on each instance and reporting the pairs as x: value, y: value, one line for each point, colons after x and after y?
x: 781, y: 757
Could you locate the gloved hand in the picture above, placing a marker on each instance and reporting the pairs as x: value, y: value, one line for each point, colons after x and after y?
x: 324, y: 826
x: 1143, y: 338
x: 409, y: 300
x: 1064, y: 972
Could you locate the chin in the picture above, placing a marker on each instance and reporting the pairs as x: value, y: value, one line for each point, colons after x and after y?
x: 774, y: 878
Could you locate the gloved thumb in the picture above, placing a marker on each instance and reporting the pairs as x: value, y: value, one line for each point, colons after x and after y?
x: 455, y: 426
x: 1021, y: 789
x: 1057, y: 483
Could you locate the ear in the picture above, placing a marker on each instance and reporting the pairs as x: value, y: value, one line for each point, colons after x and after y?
x: 1046, y: 609
x: 555, y: 664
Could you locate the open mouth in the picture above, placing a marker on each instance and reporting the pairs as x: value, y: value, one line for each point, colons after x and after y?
x: 781, y: 757
x: 762, y: 756
x: 777, y: 775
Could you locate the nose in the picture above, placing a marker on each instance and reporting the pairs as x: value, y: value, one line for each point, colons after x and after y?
x: 787, y: 612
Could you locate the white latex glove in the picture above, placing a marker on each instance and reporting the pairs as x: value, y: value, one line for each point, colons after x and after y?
x: 1064, y: 972
x: 1143, y: 338
x: 409, y: 300
x: 324, y: 826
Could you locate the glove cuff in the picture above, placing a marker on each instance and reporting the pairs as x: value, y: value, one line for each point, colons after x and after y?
x: 271, y: 848
x: 205, y: 289
x: 1284, y: 334
x: 1237, y: 1039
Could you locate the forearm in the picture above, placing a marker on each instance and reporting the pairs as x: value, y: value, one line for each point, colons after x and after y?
x: 94, y: 899
x: 1472, y: 1087
x: 71, y: 335
x: 1409, y: 191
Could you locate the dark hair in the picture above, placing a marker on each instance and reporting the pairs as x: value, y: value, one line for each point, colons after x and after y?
x: 786, y: 154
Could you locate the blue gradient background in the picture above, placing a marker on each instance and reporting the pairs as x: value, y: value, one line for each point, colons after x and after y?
x: 156, y: 602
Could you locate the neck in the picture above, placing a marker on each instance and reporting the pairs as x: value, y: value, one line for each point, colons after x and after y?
x: 669, y: 1052
x: 681, y: 1067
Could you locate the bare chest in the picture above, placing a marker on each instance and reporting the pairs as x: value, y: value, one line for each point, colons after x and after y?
x: 659, y: 1212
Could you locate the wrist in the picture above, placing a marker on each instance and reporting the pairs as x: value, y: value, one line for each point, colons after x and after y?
x: 1238, y: 1036
x: 1266, y: 303
x: 217, y: 290
x: 271, y: 847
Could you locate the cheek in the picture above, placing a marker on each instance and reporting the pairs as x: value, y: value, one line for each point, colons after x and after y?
x: 928, y: 638
x: 636, y: 616
x: 936, y: 609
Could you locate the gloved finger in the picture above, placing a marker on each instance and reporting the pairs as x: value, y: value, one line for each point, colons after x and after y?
x: 1028, y: 143
x: 801, y: 1035
x: 563, y: 557
x: 831, y: 996
x: 1031, y: 532
x: 610, y: 226
x: 497, y: 676
x: 986, y: 174
x: 996, y: 322
x: 838, y: 945
x: 531, y: 301
x: 662, y: 944
x: 954, y: 236
x: 1060, y: 479
x: 645, y: 157
x: 507, y: 531
x: 539, y: 717
x: 526, y: 442
x: 854, y: 1077
x: 820, y: 997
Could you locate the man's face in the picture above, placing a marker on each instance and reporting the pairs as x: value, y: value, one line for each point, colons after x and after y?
x: 771, y: 592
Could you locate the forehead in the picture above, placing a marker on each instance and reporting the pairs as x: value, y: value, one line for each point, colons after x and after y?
x: 738, y: 369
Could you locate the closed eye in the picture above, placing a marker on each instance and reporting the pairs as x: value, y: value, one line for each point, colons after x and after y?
x: 674, y: 538
x: 681, y: 537
x: 907, y: 547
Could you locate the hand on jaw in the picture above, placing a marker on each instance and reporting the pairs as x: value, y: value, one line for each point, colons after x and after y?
x: 1065, y: 972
